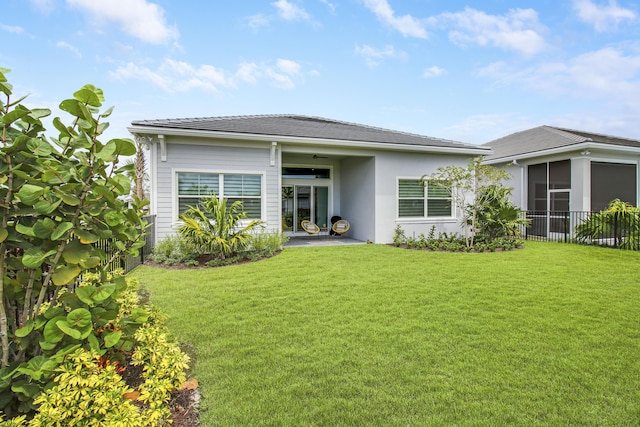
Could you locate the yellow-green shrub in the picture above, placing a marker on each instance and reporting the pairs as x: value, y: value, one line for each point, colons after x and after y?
x: 86, y: 394
x: 163, y: 362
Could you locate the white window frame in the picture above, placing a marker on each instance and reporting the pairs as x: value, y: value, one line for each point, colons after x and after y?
x: 425, y: 199
x: 221, y: 173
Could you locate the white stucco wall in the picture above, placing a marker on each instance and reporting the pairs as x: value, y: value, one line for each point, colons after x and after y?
x: 358, y: 195
x: 580, y: 194
x: 391, y: 166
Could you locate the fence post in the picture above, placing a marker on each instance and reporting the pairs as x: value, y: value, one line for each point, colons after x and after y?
x: 615, y: 230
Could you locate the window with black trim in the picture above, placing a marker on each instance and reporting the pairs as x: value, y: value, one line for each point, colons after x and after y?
x: 247, y: 188
x: 430, y: 199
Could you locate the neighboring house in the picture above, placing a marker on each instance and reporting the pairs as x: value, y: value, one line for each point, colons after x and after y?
x: 562, y: 170
x: 287, y: 168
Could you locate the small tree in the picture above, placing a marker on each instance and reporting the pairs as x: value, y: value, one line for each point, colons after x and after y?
x: 496, y: 214
x: 465, y: 184
x: 138, y: 172
x: 59, y: 196
x: 216, y: 227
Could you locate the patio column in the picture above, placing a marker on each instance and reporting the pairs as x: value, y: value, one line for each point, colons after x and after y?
x: 581, y: 183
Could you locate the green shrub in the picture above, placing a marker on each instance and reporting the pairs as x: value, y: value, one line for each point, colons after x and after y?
x: 266, y: 244
x: 164, y: 366
x: 399, y: 238
x: 87, y: 394
x: 619, y: 222
x: 214, y: 227
x: 452, y: 242
x: 173, y: 250
x: 60, y: 196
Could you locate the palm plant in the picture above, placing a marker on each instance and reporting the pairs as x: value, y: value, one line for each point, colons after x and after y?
x: 620, y: 221
x: 496, y: 215
x: 216, y: 228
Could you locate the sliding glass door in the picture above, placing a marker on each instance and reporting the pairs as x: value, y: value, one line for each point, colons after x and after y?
x: 304, y: 202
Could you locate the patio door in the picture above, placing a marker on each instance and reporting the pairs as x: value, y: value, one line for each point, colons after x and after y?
x: 558, y: 211
x: 304, y: 202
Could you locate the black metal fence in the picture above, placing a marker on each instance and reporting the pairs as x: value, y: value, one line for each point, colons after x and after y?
x: 128, y: 263
x: 610, y: 229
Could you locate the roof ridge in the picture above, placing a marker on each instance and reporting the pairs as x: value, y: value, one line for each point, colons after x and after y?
x: 217, y: 118
x: 512, y: 134
x: 303, y: 117
x: 566, y: 133
x: 604, y: 135
x: 377, y: 128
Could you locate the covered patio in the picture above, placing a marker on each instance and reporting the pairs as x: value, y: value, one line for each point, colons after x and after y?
x: 313, y: 241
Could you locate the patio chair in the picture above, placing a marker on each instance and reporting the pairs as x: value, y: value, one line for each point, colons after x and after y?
x: 341, y: 226
x: 310, y: 227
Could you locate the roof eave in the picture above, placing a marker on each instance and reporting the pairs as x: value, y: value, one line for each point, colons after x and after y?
x: 568, y: 148
x: 155, y: 130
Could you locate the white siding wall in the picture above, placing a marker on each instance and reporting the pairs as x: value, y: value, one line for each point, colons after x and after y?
x: 184, y: 154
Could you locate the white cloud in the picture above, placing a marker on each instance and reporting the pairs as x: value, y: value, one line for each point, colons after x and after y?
x: 178, y: 76
x: 15, y: 29
x: 608, y: 74
x: 69, y: 47
x: 290, y: 11
x: 406, y: 25
x: 603, y: 18
x: 175, y: 76
x: 489, y: 126
x: 518, y: 30
x: 248, y: 72
x: 284, y: 74
x: 257, y: 21
x: 329, y: 5
x: 138, y: 18
x: 433, y: 71
x: 288, y: 66
x: 44, y: 6
x: 374, y: 56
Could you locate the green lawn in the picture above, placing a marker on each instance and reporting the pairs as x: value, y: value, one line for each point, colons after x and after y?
x: 374, y: 335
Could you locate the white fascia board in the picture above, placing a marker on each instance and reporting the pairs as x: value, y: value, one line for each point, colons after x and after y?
x: 567, y: 149
x: 136, y: 130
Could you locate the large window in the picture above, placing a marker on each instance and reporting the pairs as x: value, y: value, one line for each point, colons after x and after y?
x: 418, y: 200
x: 549, y: 178
x: 194, y: 186
x: 612, y: 181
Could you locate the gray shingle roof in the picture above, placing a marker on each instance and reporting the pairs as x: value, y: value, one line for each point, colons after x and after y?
x: 544, y: 138
x: 301, y: 127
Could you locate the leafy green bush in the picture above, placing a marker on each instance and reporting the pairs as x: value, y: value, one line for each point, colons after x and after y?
x: 87, y: 387
x: 179, y: 250
x: 216, y: 228
x: 620, y: 222
x: 86, y: 393
x: 164, y: 368
x: 60, y: 196
x: 174, y: 249
x: 265, y: 244
x: 452, y: 242
x: 496, y: 216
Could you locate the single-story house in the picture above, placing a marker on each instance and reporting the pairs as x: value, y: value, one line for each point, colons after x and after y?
x: 289, y: 168
x: 563, y: 170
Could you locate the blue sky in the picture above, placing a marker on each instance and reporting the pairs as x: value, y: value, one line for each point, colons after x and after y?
x: 468, y: 71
